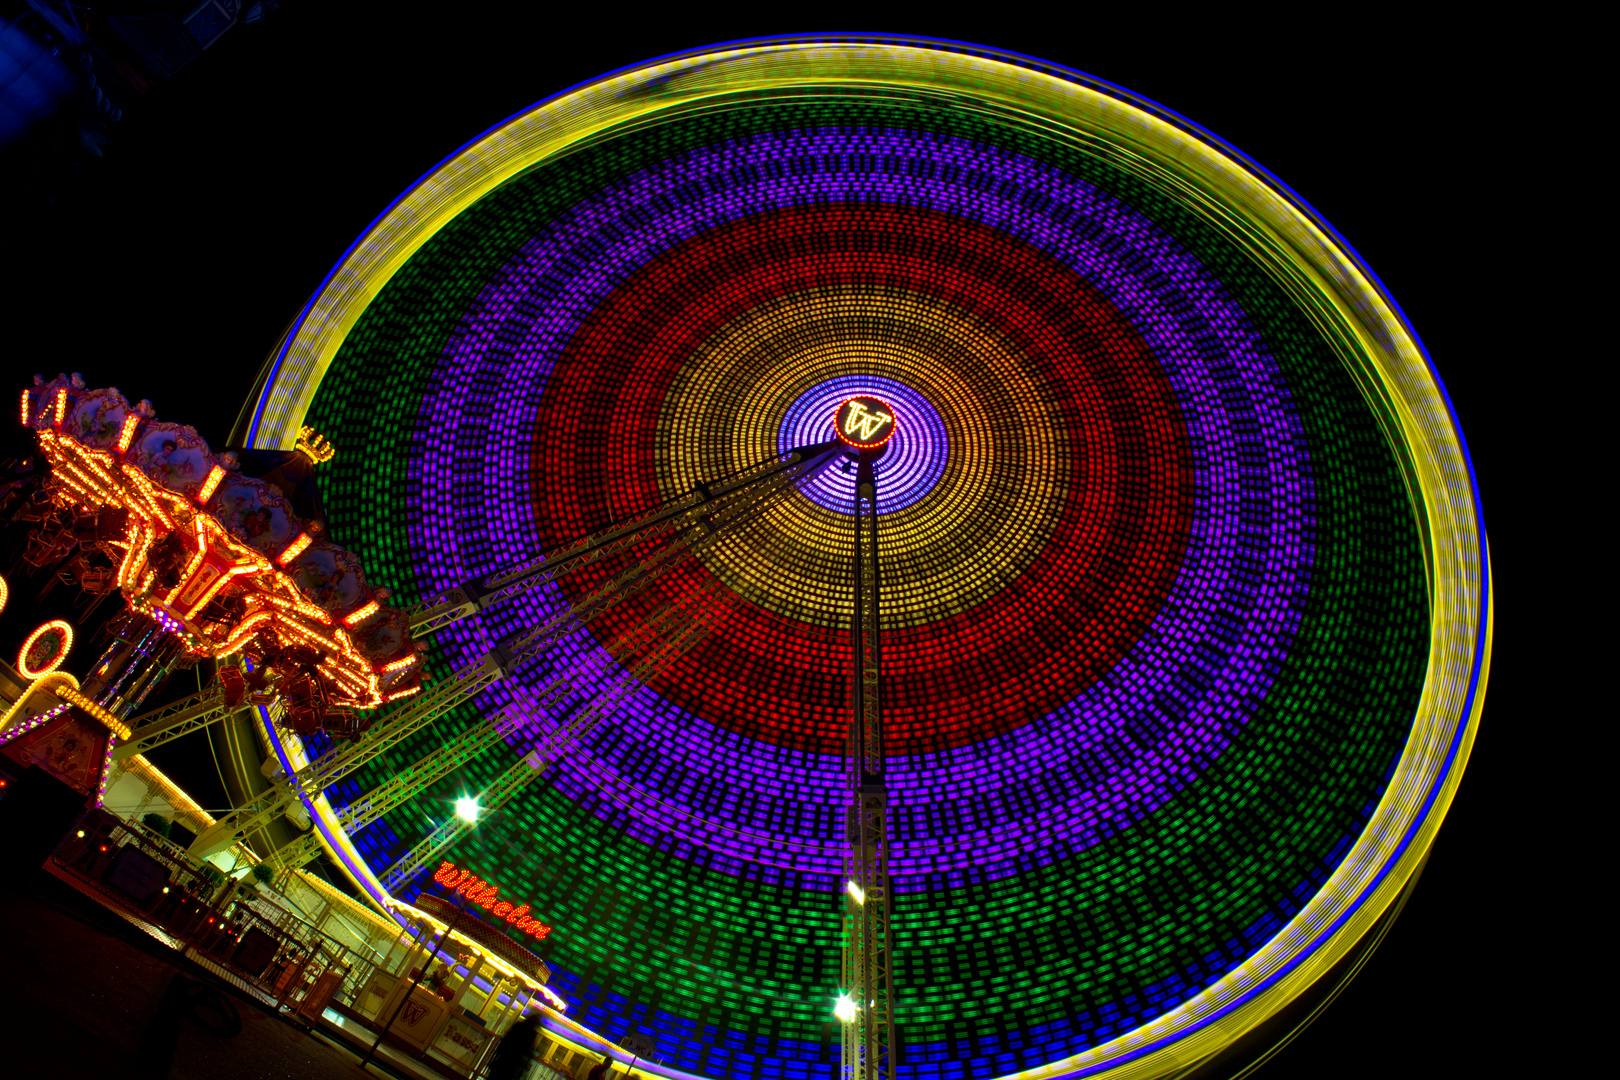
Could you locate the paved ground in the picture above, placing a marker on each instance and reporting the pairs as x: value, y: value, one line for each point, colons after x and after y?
x: 81, y: 995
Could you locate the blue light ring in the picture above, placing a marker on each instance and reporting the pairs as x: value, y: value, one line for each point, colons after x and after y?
x: 1449, y: 510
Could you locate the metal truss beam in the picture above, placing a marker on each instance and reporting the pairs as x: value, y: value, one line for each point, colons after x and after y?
x: 692, y: 622
x: 407, y: 783
x: 339, y: 762
x: 158, y: 726
x: 724, y: 505
x: 867, y: 969
x: 479, y: 594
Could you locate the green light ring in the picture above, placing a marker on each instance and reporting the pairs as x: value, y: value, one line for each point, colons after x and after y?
x: 1277, y: 231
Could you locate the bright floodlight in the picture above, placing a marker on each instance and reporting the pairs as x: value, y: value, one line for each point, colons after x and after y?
x: 467, y: 809
x: 845, y: 1009
x: 856, y: 891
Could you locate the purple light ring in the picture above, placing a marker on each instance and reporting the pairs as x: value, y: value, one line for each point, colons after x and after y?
x: 1182, y: 372
x: 911, y: 465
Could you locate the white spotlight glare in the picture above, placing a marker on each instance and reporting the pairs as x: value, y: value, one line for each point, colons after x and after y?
x: 845, y: 1009
x: 467, y: 809
x: 856, y: 891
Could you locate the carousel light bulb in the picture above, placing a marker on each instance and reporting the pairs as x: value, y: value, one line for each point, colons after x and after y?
x: 206, y: 492
x: 294, y: 549
x: 126, y: 434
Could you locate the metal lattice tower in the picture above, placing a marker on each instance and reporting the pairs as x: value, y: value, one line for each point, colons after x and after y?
x: 867, y: 973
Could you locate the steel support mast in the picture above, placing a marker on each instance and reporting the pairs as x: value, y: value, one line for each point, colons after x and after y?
x: 867, y: 973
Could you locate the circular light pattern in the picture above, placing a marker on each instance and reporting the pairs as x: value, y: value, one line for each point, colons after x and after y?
x: 45, y: 649
x: 1174, y: 692
x: 914, y: 456
x: 5, y: 593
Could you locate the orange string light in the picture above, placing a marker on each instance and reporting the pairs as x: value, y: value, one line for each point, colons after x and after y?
x: 206, y: 492
x: 127, y: 434
x: 294, y: 549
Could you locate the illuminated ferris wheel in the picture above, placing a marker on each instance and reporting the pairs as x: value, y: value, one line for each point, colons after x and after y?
x: 942, y: 567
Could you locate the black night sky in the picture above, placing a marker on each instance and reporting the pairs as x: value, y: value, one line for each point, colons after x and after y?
x: 170, y: 266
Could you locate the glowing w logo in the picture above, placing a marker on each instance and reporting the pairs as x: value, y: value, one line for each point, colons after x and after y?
x: 860, y: 424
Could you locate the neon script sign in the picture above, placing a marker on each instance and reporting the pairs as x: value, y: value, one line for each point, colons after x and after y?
x: 483, y: 893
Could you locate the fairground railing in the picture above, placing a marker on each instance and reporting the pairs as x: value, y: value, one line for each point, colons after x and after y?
x: 263, y: 942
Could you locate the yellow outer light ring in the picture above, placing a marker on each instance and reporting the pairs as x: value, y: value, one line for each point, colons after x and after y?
x: 1280, y: 233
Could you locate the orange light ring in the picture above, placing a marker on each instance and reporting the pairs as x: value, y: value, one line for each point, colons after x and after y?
x: 848, y: 440
x: 39, y: 632
x: 107, y: 719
